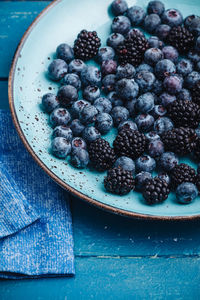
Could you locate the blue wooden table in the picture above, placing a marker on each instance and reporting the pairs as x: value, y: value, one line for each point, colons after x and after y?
x: 116, y: 258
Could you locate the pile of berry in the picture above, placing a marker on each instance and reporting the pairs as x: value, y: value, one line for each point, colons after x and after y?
x: 145, y: 89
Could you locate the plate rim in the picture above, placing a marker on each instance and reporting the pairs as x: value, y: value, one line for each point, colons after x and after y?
x: 63, y: 184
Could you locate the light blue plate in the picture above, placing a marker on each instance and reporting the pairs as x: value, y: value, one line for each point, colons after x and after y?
x: 59, y: 23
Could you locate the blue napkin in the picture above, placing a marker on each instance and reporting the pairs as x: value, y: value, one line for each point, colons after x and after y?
x: 35, y: 221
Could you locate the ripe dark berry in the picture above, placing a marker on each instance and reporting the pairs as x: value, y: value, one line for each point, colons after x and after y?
x: 182, y: 173
x: 196, y: 93
x: 181, y: 38
x: 155, y: 191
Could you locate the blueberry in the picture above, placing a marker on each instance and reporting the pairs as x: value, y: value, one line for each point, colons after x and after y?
x: 191, y: 79
x: 119, y: 7
x: 186, y: 192
x: 155, y: 148
x: 60, y: 116
x: 164, y: 68
x: 103, y: 105
x: 77, y: 127
x: 165, y: 177
x: 154, y: 42
x: 152, y: 56
x: 151, y: 22
x: 65, y: 52
x: 198, y: 66
x: 108, y: 83
x: 140, y: 180
x: 197, y: 45
x: 60, y: 147
x: 144, y: 67
x: 114, y: 99
x: 76, y: 66
x: 155, y: 7
x: 152, y: 136
x: 63, y: 131
x: 78, y: 143
x: 162, y: 31
x: 91, y: 76
x: 130, y: 105
x: 50, y: 102
x: 189, y: 20
x: 125, y: 163
x: 77, y: 107
x: 133, y: 32
x: 184, y: 94
x: 136, y: 15
x: 198, y: 169
x: 163, y: 124
x: 145, y: 163
x: 193, y: 24
x: 197, y: 130
x: 173, y: 84
x: 145, y: 80
x: 91, y: 93
x: 67, y: 94
x: 144, y: 122
x: 157, y: 87
x: 72, y: 79
x: 90, y: 134
x: 168, y: 161
x: 172, y: 17
x: 194, y: 56
x: 127, y: 89
x: 119, y: 114
x: 125, y: 71
x: 88, y: 114
x: 80, y: 158
x: 127, y: 125
x: 108, y: 67
x: 184, y: 67
x: 170, y: 53
x: 145, y: 103
x: 166, y: 99
x: 57, y: 69
x: 115, y: 39
x: 104, y: 122
x: 105, y: 53
x: 158, y: 111
x: 121, y: 24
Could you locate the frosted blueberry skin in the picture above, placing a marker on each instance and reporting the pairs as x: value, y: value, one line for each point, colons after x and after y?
x: 155, y: 148
x: 172, y: 17
x: 170, y: 53
x: 80, y: 158
x: 155, y: 7
x: 72, y: 79
x: 78, y: 143
x: 90, y: 134
x: 145, y: 163
x: 198, y: 169
x: 173, y: 84
x: 130, y: 125
x: 104, y: 122
x: 197, y: 130
x: 184, y: 94
x: 127, y: 89
x: 88, y: 114
x: 168, y: 161
x: 197, y: 45
x: 63, y: 131
x: 119, y: 114
x: 157, y: 87
x: 144, y: 122
x: 103, y: 105
x: 119, y: 7
x: 186, y: 193
x: 77, y: 127
x: 57, y: 69
x: 125, y: 163
x: 134, y: 31
x: 76, y: 66
x: 165, y: 99
x: 65, y: 52
x: 115, y: 39
x: 145, y: 80
x: 49, y: 102
x: 163, y: 124
x: 184, y: 67
x: 152, y: 136
x: 136, y: 15
x: 189, y: 20
x: 125, y: 71
x: 194, y: 56
x: 108, y: 67
x: 114, y: 99
x: 60, y: 116
x: 144, y: 67
x: 91, y: 93
x: 154, y: 42
x: 162, y: 31
x: 91, y: 76
x: 67, y: 94
x: 60, y: 147
x: 105, y: 53
x: 140, y: 180
x: 165, y: 68
x: 152, y: 56
x: 145, y: 103
x: 165, y: 177
x: 191, y: 79
x: 130, y: 105
x: 108, y: 83
x: 77, y: 107
x: 158, y: 111
x: 151, y: 22
x: 121, y: 24
x: 192, y: 22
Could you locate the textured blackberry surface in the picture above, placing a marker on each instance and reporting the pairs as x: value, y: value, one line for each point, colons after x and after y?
x: 196, y: 93
x: 198, y: 182
x: 181, y: 38
x: 197, y: 150
x: 131, y: 143
x: 155, y: 191
x: 184, y: 113
x: 119, y: 181
x: 86, y: 45
x: 182, y: 173
x: 132, y: 49
x: 102, y: 156
x: 180, y: 140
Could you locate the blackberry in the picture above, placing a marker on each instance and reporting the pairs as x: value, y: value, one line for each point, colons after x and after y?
x: 132, y: 49
x: 102, y: 156
x: 197, y: 150
x: 184, y: 113
x: 86, y: 45
x: 155, y: 191
x: 198, y: 182
x: 130, y: 143
x: 180, y: 140
x: 181, y: 38
x: 119, y: 181
x: 196, y: 93
x: 182, y: 173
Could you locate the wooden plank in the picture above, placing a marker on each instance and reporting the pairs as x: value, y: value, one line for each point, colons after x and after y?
x: 115, y: 278
x: 15, y: 17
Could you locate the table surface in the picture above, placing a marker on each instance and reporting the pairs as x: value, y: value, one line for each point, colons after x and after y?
x: 116, y: 258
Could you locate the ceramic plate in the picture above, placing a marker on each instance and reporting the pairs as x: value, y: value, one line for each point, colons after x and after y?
x: 60, y: 22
